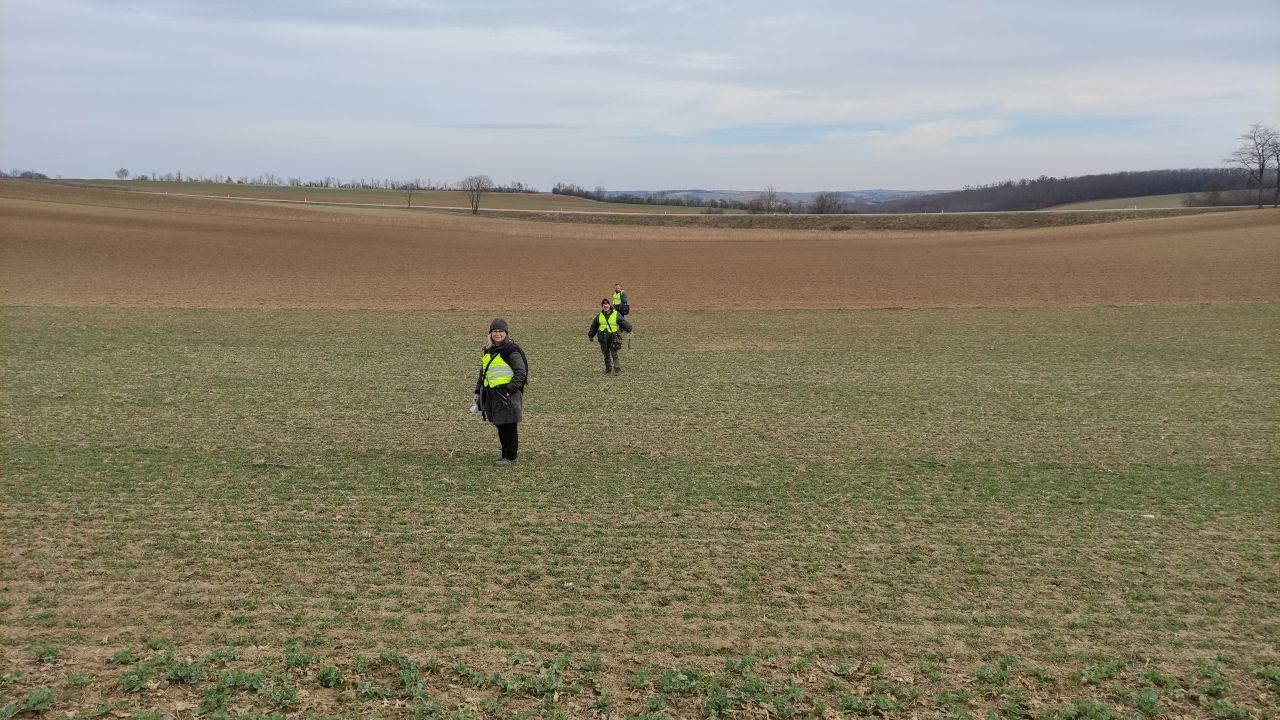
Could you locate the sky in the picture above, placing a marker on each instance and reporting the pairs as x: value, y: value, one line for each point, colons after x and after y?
x: 802, y: 95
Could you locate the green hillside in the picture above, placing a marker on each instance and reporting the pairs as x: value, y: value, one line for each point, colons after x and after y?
x: 1146, y: 202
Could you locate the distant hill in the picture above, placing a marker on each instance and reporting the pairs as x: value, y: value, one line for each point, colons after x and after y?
x: 1046, y: 192
x: 1111, y: 190
x: 853, y: 198
x: 1201, y: 186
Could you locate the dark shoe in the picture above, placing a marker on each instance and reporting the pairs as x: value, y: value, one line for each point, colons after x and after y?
x: 503, y: 462
x: 607, y: 371
x: 617, y: 370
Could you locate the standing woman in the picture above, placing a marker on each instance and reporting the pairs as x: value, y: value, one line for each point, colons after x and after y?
x: 500, y: 388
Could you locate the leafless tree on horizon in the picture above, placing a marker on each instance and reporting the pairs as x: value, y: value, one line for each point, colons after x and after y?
x: 475, y: 187
x: 1259, y: 147
x: 769, y: 199
x: 827, y: 203
x: 409, y: 189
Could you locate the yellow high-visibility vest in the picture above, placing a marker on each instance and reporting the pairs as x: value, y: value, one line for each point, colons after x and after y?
x: 608, y: 324
x: 617, y: 298
x: 496, y: 370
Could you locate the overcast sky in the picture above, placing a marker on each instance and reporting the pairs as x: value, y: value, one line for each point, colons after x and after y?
x: 802, y: 95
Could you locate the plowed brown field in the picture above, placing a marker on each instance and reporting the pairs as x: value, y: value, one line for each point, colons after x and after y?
x: 71, y: 247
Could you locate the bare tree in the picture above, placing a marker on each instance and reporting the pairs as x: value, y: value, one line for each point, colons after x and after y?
x: 1275, y: 163
x: 827, y: 203
x: 409, y: 189
x: 122, y: 173
x: 475, y: 187
x: 769, y: 199
x: 1255, y: 153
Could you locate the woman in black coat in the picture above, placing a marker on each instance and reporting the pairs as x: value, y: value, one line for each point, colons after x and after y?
x: 500, y: 388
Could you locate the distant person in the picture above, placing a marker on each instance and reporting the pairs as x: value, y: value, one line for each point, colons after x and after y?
x: 500, y: 388
x: 620, y: 300
x: 606, y: 328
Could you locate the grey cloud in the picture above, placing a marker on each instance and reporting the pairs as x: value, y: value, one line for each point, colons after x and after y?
x: 349, y: 71
x: 504, y: 126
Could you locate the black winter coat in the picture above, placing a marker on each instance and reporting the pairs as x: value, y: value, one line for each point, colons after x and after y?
x: 504, y: 404
x: 593, y: 330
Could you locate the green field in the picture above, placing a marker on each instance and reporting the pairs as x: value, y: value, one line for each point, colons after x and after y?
x: 543, y: 202
x: 1146, y: 202
x: 1059, y: 513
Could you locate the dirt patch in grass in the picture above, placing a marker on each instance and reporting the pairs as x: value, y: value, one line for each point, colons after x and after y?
x: 86, y: 247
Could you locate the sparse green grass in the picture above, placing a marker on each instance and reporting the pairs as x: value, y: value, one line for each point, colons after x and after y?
x: 1145, y: 202
x: 941, y: 512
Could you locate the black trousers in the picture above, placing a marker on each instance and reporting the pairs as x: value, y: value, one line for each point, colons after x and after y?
x: 510, y: 440
x: 610, y: 356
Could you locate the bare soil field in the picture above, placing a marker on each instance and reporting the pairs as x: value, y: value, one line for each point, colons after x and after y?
x: 83, y: 247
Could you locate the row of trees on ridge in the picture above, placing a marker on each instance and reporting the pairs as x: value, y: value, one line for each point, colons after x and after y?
x: 1252, y: 171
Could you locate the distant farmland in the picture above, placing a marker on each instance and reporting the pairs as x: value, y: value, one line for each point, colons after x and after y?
x: 181, y: 251
x: 390, y: 198
x: 1007, y: 474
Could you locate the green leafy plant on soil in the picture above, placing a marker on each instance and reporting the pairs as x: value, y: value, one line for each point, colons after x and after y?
x: 867, y: 521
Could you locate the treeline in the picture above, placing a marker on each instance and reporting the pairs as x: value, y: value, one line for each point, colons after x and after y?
x: 1045, y: 192
x: 1202, y: 187
x: 602, y: 195
x: 269, y: 179
x: 767, y: 201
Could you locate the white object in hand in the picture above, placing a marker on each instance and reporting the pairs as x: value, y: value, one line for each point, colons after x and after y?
x: 474, y: 408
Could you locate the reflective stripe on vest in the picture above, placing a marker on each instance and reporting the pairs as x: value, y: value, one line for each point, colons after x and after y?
x: 496, y: 370
x: 617, y: 299
x: 608, y: 324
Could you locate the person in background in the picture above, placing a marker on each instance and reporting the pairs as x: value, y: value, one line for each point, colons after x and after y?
x: 620, y: 300
x: 606, y: 329
x: 500, y: 388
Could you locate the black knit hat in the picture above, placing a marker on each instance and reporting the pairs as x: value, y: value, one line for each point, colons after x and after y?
x: 498, y: 324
